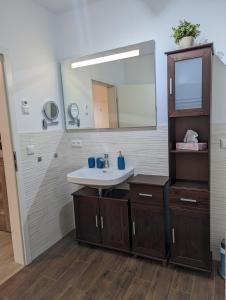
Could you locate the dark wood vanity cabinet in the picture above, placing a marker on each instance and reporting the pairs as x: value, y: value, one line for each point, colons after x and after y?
x: 189, y: 98
x: 115, y: 222
x: 148, y: 231
x: 189, y: 81
x: 190, y: 238
x: 102, y: 220
x: 148, y: 196
x: 87, y: 216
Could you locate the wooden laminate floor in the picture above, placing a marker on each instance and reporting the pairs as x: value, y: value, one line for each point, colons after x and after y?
x: 69, y: 271
x: 7, y: 265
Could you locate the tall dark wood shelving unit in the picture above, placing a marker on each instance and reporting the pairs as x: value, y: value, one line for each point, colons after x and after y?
x: 189, y: 171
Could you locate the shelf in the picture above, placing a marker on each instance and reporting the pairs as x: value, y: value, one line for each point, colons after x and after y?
x: 191, y: 185
x: 190, y: 151
x: 188, y: 113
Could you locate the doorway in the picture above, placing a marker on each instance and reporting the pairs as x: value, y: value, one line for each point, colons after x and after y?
x: 105, y: 105
x: 11, y: 241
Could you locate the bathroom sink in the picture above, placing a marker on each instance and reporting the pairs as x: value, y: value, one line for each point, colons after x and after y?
x: 100, y: 178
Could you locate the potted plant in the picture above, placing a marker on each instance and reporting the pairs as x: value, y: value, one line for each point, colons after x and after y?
x: 185, y: 33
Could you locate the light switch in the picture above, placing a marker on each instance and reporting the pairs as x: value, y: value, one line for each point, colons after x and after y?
x: 223, y: 143
x: 30, y: 150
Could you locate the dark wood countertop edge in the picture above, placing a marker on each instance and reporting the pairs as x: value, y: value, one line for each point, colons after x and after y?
x: 137, y: 180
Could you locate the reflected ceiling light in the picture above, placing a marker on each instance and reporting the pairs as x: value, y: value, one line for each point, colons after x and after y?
x: 105, y: 59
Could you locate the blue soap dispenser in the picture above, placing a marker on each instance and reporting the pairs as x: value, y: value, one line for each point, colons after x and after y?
x: 121, y: 161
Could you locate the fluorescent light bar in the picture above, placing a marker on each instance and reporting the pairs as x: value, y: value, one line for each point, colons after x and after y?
x: 105, y: 59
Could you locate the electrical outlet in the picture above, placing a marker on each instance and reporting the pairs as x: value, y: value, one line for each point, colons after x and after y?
x: 76, y: 143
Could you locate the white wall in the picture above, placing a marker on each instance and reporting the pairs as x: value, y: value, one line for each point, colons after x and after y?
x: 219, y: 92
x: 105, y: 24
x: 27, y: 38
x: 27, y: 35
x: 136, y: 105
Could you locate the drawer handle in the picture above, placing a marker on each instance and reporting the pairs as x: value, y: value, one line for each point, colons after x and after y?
x: 102, y: 222
x: 188, y: 200
x: 134, y: 228
x: 96, y: 218
x: 173, y: 235
x: 145, y: 195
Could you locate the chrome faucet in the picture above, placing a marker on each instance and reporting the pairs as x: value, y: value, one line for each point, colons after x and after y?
x: 106, y: 161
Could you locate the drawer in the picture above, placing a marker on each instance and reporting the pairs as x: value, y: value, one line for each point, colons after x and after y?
x: 146, y: 194
x: 189, y: 199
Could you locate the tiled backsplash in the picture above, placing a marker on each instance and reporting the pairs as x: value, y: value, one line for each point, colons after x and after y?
x: 47, y: 193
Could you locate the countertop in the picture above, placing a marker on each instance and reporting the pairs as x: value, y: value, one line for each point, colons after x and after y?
x: 149, y: 180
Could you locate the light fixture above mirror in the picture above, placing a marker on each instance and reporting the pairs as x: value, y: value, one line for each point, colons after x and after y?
x: 105, y: 59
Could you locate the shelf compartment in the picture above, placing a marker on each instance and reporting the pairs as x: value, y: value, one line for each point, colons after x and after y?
x: 179, y: 127
x: 191, y: 185
x: 189, y: 151
x: 191, y: 167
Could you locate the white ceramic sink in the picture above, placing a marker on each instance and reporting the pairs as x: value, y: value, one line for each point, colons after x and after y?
x: 100, y: 178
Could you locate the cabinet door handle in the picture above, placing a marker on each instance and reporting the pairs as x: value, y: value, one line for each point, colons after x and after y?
x: 134, y: 228
x: 96, y: 218
x: 102, y: 222
x: 145, y: 195
x: 188, y: 200
x: 173, y: 235
x: 171, y: 86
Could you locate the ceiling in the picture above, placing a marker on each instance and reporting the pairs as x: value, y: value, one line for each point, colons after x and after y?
x: 57, y: 6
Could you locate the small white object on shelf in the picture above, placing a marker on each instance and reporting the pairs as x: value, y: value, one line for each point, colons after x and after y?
x: 191, y: 136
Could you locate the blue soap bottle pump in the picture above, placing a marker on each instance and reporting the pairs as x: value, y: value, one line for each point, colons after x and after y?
x: 121, y: 161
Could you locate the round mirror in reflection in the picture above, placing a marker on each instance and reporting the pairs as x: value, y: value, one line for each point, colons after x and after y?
x: 73, y: 110
x: 51, y: 110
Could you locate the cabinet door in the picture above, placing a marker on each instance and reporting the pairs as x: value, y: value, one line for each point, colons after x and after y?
x: 190, y: 238
x: 87, y: 219
x: 115, y: 223
x: 148, y: 230
x: 189, y: 82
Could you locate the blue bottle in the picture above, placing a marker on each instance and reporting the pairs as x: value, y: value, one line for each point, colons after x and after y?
x: 91, y: 162
x: 121, y: 161
x: 100, y: 162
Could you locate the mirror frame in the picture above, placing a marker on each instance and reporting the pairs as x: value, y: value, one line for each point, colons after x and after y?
x: 44, y: 110
x: 122, y: 129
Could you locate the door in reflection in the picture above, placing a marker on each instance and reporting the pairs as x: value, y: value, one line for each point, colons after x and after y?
x: 105, y: 105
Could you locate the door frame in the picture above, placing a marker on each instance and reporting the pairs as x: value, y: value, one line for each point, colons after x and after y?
x: 10, y: 141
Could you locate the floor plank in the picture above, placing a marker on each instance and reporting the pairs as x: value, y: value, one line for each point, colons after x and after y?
x: 137, y: 290
x: 177, y: 295
x: 183, y: 280
x: 219, y: 288
x: 161, y: 283
x: 203, y: 288
x: 70, y: 271
x: 8, y: 266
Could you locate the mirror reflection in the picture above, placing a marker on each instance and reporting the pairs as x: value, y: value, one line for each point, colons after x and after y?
x: 112, y: 89
x: 51, y: 110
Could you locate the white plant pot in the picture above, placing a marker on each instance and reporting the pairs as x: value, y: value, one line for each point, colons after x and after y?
x: 186, y: 42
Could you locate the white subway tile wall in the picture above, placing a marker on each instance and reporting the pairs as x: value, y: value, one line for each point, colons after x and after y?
x: 48, y: 195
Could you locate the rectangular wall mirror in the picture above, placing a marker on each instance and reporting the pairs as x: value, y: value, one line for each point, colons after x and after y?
x: 112, y: 89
